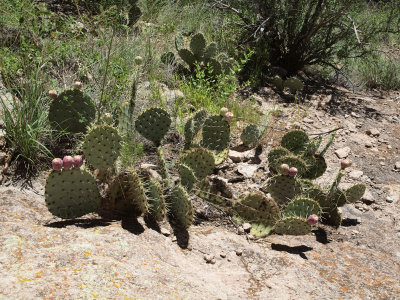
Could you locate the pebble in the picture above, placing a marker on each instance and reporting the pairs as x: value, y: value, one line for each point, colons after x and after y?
x: 222, y: 254
x: 240, y: 230
x: 389, y: 199
x: 208, y: 258
x: 308, y: 120
x: 165, y: 231
x: 239, y: 252
x: 356, y: 174
x: 373, y: 132
x: 246, y: 227
x: 397, y: 165
x: 343, y: 152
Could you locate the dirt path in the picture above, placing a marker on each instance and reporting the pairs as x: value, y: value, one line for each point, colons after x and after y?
x: 43, y: 257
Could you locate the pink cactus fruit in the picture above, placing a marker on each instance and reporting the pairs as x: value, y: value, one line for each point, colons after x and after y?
x: 223, y: 111
x: 228, y: 117
x: 68, y: 162
x: 312, y: 220
x: 292, y: 171
x: 53, y: 94
x: 57, y: 164
x: 78, y: 161
x: 345, y: 163
x: 285, y: 169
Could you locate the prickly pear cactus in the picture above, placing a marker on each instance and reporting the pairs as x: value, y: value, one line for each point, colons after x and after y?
x: 283, y: 188
x: 292, y: 226
x: 250, y: 135
x: 198, y: 45
x: 355, y: 193
x: 302, y: 207
x: 277, y: 81
x: 188, y: 57
x: 216, y: 133
x: 294, y: 84
x: 126, y: 125
x: 274, y: 155
x: 211, y: 51
x: 193, y: 126
x: 200, y: 160
x: 260, y: 211
x: 134, y: 191
x: 220, y: 156
x: 295, y: 141
x: 181, y: 206
x: 153, y: 124
x: 316, y: 166
x: 101, y: 147
x: 72, y: 193
x: 293, y: 161
x: 157, y: 208
x: 163, y: 164
x: 188, y: 179
x: 72, y: 111
x: 168, y: 58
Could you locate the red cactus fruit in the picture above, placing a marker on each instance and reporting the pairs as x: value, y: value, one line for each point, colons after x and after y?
x: 68, y: 162
x: 284, y: 169
x: 78, y: 161
x: 345, y: 163
x: 228, y: 117
x: 292, y: 171
x: 312, y: 220
x: 57, y: 164
x: 223, y: 111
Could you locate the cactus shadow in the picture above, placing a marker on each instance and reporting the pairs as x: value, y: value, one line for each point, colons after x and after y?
x: 181, y: 234
x: 152, y: 224
x: 132, y: 225
x: 83, y: 223
x: 347, y: 222
x: 321, y: 236
x: 299, y: 250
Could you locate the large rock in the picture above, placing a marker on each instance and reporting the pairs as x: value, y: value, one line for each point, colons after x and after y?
x: 343, y: 152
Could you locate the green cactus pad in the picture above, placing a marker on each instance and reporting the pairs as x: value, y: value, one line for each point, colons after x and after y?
x: 274, y: 155
x: 193, y: 126
x: 317, y: 167
x: 72, y: 111
x: 260, y: 230
x: 283, y: 188
x: 250, y: 135
x: 188, y: 180
x: 220, y: 156
x: 157, y: 208
x: 294, y: 84
x: 257, y: 208
x: 168, y: 58
x: 101, y: 147
x: 295, y: 141
x: 355, y: 193
x: 302, y: 207
x: 126, y: 123
x: 277, y: 81
x: 306, y: 184
x: 318, y: 195
x: 200, y: 160
x: 119, y: 203
x: 216, y: 66
x: 71, y: 194
x: 216, y: 133
x: 336, y: 198
x: 332, y: 217
x: 153, y: 124
x: 134, y: 14
x: 211, y: 51
x: 293, y: 161
x: 181, y: 206
x: 163, y: 164
x: 134, y: 190
x: 292, y: 226
x: 179, y: 41
x: 187, y: 57
x: 198, y: 45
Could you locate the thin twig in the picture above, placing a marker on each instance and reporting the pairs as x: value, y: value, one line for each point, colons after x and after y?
x: 327, y: 132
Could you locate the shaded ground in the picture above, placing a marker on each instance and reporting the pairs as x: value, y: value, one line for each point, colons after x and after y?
x: 44, y: 257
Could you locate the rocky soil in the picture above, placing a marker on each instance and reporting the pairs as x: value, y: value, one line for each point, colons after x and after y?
x: 92, y: 258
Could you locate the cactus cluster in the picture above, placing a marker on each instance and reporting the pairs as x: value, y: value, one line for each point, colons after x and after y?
x: 200, y: 53
x: 293, y: 84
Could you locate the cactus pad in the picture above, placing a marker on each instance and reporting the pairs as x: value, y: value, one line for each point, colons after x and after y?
x: 292, y: 226
x: 293, y: 161
x: 295, y: 141
x: 193, y: 126
x: 187, y: 57
x: 317, y: 167
x: 332, y: 217
x: 355, y: 193
x: 153, y: 124
x: 211, y: 51
x: 302, y: 207
x: 156, y: 201
x: 200, y: 160
x: 277, y: 81
x: 257, y: 208
x: 71, y: 194
x: 216, y: 133
x: 198, y: 45
x: 126, y: 124
x: 250, y: 135
x: 274, y: 155
x: 134, y: 190
x: 168, y: 58
x: 101, y: 147
x: 72, y: 111
x: 181, y: 206
x: 188, y: 180
x: 283, y: 188
x: 220, y: 156
x: 294, y: 84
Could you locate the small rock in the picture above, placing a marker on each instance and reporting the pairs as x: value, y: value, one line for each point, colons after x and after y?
x: 3, y: 157
x: 308, y: 120
x: 222, y: 254
x: 389, y: 199
x: 238, y: 157
x: 148, y: 166
x: 368, y: 198
x: 208, y: 258
x: 343, y: 152
x: 246, y: 227
x: 397, y: 165
x: 373, y: 132
x: 368, y: 144
x: 356, y: 174
x: 165, y: 231
x: 240, y: 230
x: 247, y: 170
x: 174, y: 238
x: 239, y: 252
x: 213, y: 261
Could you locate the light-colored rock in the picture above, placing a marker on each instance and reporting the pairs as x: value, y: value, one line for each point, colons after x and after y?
x: 165, y: 231
x: 368, y: 198
x: 247, y: 170
x: 246, y: 227
x: 389, y: 199
x: 237, y: 156
x: 308, y: 120
x: 397, y: 165
x: 343, y: 152
x: 239, y: 252
x: 373, y: 132
x: 356, y: 174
